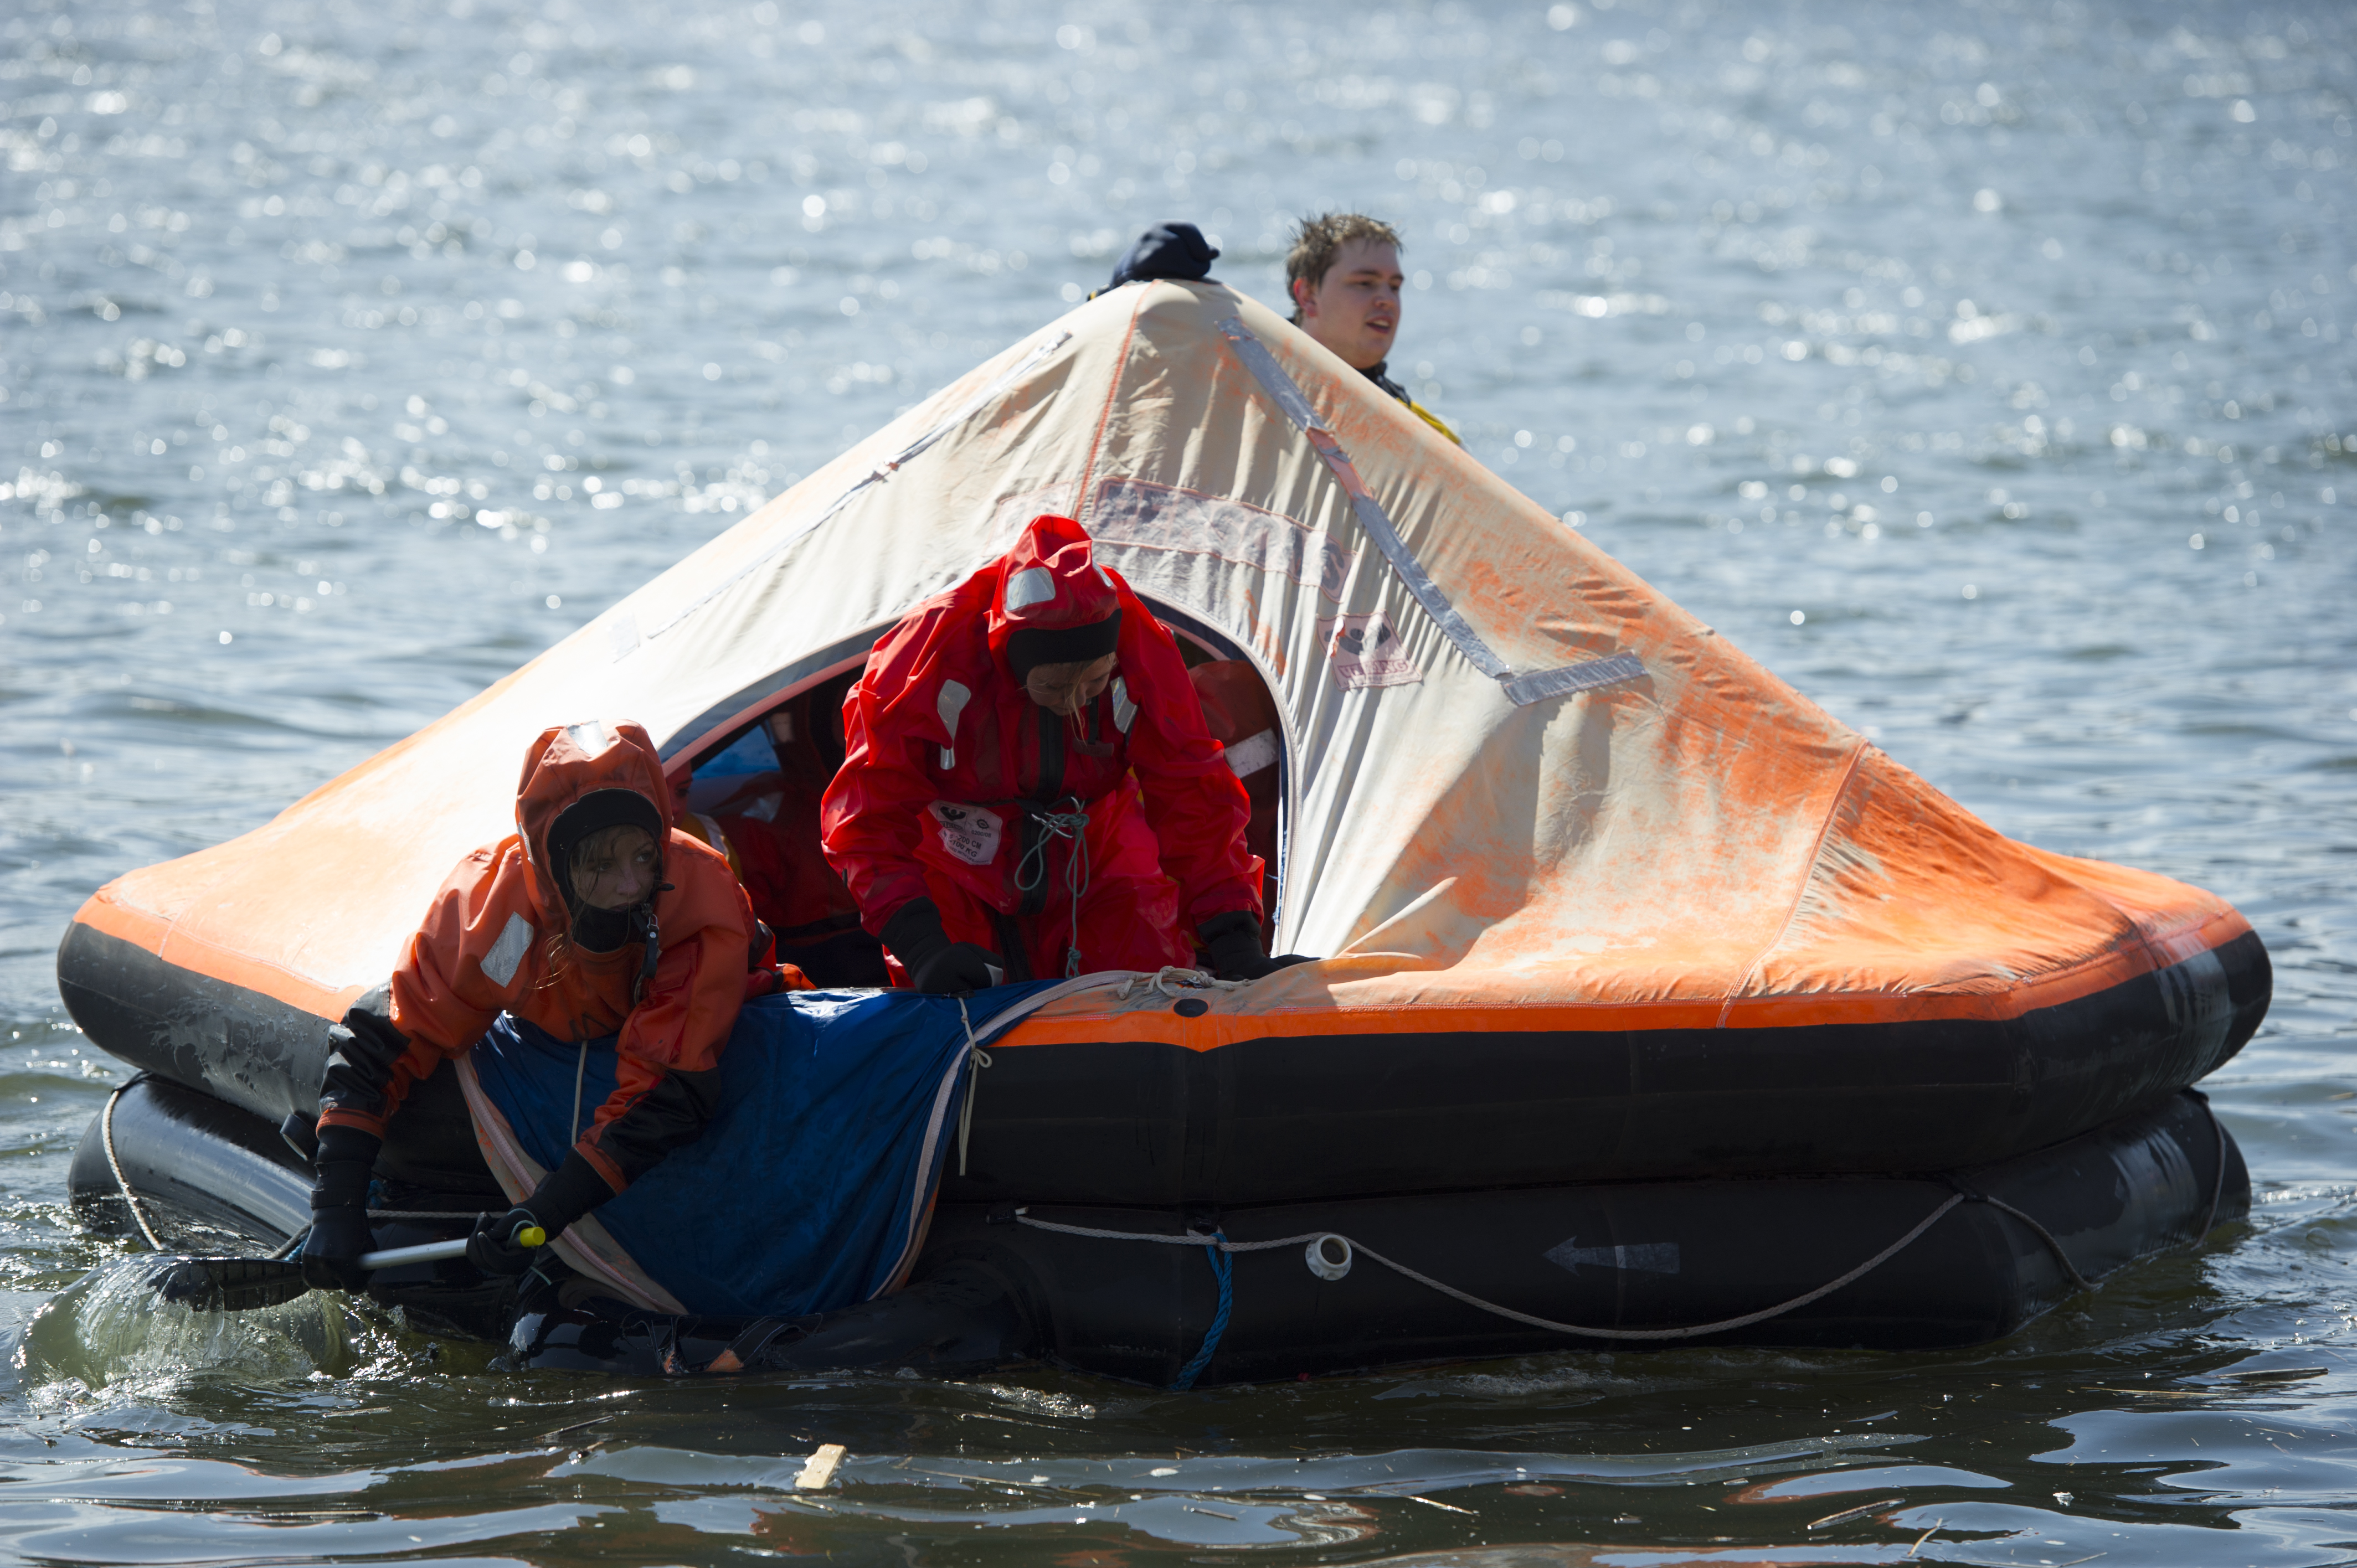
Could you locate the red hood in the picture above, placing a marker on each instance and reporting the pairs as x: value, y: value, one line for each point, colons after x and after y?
x: 1048, y: 582
x: 567, y: 762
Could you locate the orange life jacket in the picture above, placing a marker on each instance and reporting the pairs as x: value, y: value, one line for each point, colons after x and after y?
x: 497, y: 938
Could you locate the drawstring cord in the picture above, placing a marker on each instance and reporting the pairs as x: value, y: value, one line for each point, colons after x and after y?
x: 1032, y: 869
x: 650, y: 929
x: 580, y: 1071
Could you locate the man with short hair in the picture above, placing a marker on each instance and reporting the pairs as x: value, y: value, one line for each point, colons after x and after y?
x: 1344, y: 276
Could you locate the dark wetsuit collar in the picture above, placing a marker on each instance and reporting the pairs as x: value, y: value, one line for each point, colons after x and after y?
x: 1374, y: 373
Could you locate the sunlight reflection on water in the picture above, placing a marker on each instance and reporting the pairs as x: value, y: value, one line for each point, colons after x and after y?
x: 1982, y: 372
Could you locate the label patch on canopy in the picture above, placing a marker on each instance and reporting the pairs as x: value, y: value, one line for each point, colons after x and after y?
x: 1142, y: 517
x: 969, y: 833
x: 1363, y: 651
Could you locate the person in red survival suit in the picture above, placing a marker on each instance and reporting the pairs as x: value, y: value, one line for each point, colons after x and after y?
x: 594, y: 918
x: 999, y: 748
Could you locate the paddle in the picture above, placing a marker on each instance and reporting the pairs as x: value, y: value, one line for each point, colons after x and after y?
x: 243, y: 1285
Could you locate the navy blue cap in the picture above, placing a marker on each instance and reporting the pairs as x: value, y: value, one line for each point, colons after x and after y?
x: 1166, y: 250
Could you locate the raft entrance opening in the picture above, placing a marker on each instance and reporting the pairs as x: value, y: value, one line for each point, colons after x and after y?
x: 750, y: 774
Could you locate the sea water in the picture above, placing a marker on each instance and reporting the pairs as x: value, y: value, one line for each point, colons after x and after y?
x: 1983, y: 370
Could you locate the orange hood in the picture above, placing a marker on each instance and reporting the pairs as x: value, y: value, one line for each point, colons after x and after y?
x: 564, y: 766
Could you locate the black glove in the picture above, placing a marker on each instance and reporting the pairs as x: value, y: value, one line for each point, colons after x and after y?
x: 495, y: 1248
x: 934, y: 962
x: 1166, y: 250
x: 1232, y: 945
x: 564, y: 1195
x: 339, y: 1227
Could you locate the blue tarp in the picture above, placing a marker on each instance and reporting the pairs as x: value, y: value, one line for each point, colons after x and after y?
x: 751, y: 754
x: 798, y: 1196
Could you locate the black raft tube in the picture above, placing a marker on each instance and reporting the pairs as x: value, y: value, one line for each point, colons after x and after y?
x: 205, y: 1176
x: 1963, y: 1260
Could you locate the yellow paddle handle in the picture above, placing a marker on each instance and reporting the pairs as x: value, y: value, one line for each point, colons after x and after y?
x: 530, y: 1236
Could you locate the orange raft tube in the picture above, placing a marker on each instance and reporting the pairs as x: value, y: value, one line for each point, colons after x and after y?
x: 1603, y: 899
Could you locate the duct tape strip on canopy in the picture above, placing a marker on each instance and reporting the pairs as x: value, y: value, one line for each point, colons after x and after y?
x: 1520, y: 689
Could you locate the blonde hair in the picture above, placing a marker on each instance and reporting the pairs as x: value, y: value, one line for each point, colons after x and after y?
x: 1319, y: 240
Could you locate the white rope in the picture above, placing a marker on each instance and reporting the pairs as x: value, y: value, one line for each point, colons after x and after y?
x: 1171, y: 974
x: 2053, y: 1243
x: 976, y: 1058
x: 106, y: 1135
x: 1072, y: 827
x: 1723, y: 1325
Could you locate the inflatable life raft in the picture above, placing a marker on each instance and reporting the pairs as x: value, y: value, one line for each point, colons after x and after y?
x: 1633, y: 951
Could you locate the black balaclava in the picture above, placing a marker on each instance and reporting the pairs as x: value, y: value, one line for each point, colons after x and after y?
x: 1029, y: 647
x: 600, y: 930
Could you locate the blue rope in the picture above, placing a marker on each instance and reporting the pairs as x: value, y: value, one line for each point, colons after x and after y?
x: 1223, y: 1269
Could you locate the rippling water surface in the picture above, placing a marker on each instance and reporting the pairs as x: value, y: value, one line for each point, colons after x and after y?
x: 1985, y: 370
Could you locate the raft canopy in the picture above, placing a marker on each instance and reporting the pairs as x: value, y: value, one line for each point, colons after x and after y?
x: 1522, y: 788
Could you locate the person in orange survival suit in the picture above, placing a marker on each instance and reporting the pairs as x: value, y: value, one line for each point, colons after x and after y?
x: 999, y: 748
x: 592, y: 918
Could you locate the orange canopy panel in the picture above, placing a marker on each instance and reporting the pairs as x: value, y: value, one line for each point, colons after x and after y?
x: 1523, y: 791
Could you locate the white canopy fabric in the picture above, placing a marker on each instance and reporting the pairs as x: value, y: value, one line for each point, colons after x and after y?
x: 1516, y: 776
